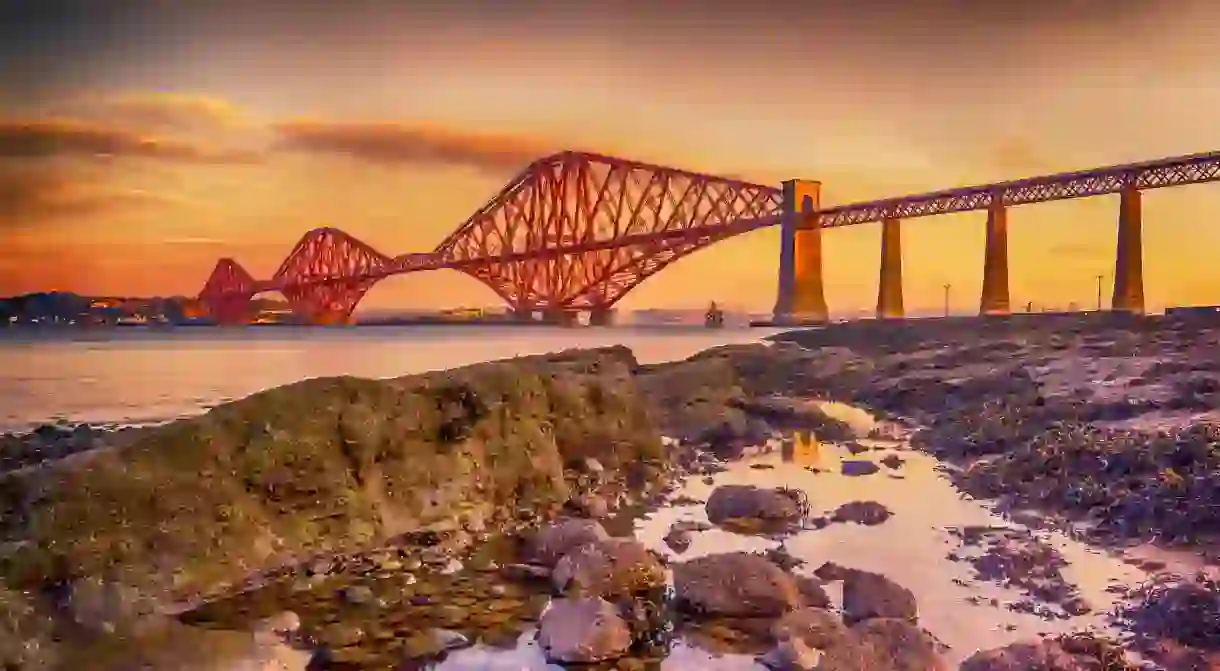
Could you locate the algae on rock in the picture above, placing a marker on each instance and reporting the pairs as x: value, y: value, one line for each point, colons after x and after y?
x: 332, y: 464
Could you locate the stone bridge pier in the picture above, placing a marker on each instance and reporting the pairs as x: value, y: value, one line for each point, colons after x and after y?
x: 801, y: 298
x: 1128, y: 293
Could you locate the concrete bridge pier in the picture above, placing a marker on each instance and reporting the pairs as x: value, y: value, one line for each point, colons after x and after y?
x: 994, y: 300
x: 889, y: 283
x: 560, y: 317
x: 601, y: 317
x: 800, y: 296
x: 521, y: 314
x: 1129, y: 259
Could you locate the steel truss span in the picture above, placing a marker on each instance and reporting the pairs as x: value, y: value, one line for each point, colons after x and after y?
x: 578, y: 231
x: 572, y: 231
x: 1177, y: 171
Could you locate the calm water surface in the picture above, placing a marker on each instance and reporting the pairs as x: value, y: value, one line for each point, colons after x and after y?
x: 136, y: 376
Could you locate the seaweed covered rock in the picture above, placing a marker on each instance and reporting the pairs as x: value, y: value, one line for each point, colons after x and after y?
x: 1069, y: 652
x: 736, y: 584
x: 27, y: 637
x: 736, y: 394
x: 583, y: 630
x: 548, y: 545
x: 323, y: 465
x: 1135, y: 485
x: 693, y: 400
x: 612, y: 568
x: 738, y: 502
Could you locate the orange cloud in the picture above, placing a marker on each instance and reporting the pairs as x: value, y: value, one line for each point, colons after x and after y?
x: 33, y: 197
x: 388, y: 142
x: 170, y: 110
x: 64, y: 137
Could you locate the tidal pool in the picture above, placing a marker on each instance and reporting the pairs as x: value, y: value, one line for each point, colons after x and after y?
x: 916, y: 547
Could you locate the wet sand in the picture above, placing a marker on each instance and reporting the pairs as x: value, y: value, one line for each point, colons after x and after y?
x: 915, y: 547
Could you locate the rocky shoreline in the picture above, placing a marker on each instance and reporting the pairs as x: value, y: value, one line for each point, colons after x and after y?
x: 432, y: 512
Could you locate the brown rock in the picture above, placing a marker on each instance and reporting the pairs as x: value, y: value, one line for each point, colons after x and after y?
x: 900, y: 645
x: 583, y: 631
x: 816, y: 627
x: 1031, y: 656
x: 867, y: 513
x: 611, y: 568
x: 871, y: 595
x: 729, y: 502
x: 736, y: 584
x: 549, y: 544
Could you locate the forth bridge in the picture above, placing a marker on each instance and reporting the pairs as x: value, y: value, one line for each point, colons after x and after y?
x: 575, y: 232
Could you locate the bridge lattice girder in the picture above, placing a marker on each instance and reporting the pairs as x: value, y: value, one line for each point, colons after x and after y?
x: 227, y: 292
x: 1176, y: 171
x: 328, y: 272
x: 580, y: 230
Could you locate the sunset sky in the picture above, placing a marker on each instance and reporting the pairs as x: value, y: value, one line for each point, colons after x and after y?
x: 139, y: 141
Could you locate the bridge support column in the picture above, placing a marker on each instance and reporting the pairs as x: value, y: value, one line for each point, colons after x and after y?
x: 800, y: 296
x: 560, y: 317
x: 1129, y: 259
x: 889, y: 283
x: 994, y: 300
x: 521, y: 314
x: 601, y: 317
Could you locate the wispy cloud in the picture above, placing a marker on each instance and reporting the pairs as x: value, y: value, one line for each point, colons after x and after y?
x: 41, y: 138
x: 32, y: 197
x: 176, y: 111
x: 389, y: 142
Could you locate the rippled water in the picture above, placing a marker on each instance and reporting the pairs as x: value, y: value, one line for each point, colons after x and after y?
x: 137, y: 376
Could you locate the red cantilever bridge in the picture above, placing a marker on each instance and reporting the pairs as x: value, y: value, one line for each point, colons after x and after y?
x: 577, y: 231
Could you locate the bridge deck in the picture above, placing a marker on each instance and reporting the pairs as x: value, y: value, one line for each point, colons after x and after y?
x: 1173, y: 171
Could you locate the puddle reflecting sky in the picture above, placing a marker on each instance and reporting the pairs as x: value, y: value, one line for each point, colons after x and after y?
x: 911, y: 548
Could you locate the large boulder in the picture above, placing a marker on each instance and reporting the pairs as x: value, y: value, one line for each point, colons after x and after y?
x: 900, y: 645
x: 333, y: 464
x: 1046, y: 655
x: 747, y: 502
x: 737, y: 584
x: 871, y: 595
x: 582, y: 631
x: 549, y: 544
x: 611, y: 568
x: 694, y: 400
x: 817, y: 627
x: 27, y: 636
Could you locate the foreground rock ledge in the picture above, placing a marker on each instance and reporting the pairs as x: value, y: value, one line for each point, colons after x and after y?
x: 334, y: 464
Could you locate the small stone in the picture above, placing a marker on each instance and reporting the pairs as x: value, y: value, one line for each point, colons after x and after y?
x: 678, y: 540
x: 792, y: 654
x: 357, y: 594
x: 858, y: 467
x: 281, y: 624
x: 433, y: 642
x: 390, y: 564
x: 341, y: 635
x: 527, y: 572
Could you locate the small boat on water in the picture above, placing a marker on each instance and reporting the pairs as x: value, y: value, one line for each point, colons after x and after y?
x: 714, y: 319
